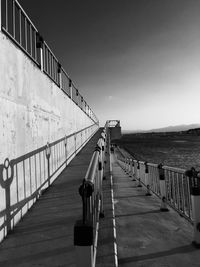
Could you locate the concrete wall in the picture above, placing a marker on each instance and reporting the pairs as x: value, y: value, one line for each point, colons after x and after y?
x: 33, y: 111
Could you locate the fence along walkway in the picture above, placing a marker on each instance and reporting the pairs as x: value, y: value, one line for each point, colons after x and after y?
x: 145, y: 235
x: 44, y: 237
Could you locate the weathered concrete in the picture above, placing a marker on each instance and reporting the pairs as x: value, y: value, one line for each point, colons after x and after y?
x: 147, y: 237
x: 45, y: 236
x: 33, y: 109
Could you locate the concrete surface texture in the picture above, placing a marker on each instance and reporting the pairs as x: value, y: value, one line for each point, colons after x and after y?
x: 106, y: 238
x: 33, y: 109
x: 147, y: 237
x: 45, y: 235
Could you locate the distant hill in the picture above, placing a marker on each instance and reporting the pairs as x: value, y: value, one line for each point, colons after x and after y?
x: 176, y: 128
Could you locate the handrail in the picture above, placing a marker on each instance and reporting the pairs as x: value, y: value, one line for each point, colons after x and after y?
x: 23, y: 179
x: 16, y: 24
x: 86, y: 229
x: 177, y: 189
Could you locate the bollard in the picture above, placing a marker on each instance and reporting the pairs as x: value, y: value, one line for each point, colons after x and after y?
x: 194, y: 182
x: 148, y: 192
x: 163, y: 206
x: 83, y: 229
x: 138, y: 174
x: 83, y: 242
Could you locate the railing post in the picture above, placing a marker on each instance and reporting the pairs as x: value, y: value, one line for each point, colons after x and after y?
x: 148, y: 192
x: 163, y: 206
x: 133, y: 170
x: 60, y: 74
x: 70, y: 88
x: 40, y: 45
x: 83, y: 242
x: 65, y: 144
x: 138, y: 174
x: 194, y: 181
x: 83, y: 229
x: 48, y: 153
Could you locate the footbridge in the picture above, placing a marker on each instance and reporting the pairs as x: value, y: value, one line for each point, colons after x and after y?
x: 69, y: 196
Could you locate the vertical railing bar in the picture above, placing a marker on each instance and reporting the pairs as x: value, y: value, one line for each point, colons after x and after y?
x: 35, y: 157
x: 178, y: 191
x: 40, y: 168
x: 183, y: 192
x: 25, y: 26
x: 20, y: 27
x: 44, y: 156
x: 35, y: 44
x: 17, y: 182
x: 6, y: 15
x: 24, y: 178
x: 31, y: 45
x: 30, y: 172
x: 13, y: 17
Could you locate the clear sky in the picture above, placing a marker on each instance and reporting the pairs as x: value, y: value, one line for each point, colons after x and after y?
x: 133, y: 60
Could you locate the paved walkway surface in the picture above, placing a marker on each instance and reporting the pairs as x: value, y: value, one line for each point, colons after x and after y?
x: 105, y: 251
x: 147, y: 237
x: 44, y: 237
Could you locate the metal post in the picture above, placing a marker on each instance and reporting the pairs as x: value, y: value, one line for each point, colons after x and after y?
x: 163, y: 206
x: 133, y: 171
x: 83, y: 242
x: 60, y: 75
x: 148, y: 192
x: 194, y: 181
x: 138, y: 174
x: 70, y: 88
x: 131, y: 168
x: 40, y: 45
x: 48, y: 153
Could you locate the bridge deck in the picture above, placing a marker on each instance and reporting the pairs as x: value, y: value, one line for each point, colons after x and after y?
x: 44, y: 237
x: 145, y: 236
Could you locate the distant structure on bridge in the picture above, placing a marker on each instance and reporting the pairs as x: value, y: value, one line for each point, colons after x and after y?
x: 115, y: 129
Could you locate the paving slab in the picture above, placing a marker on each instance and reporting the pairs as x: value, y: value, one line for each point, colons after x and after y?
x: 106, y: 239
x: 147, y: 237
x: 44, y: 237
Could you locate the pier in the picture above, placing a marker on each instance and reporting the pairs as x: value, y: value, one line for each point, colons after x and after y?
x: 69, y: 196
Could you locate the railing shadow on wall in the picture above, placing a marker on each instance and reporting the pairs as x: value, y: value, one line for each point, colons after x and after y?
x: 22, y: 180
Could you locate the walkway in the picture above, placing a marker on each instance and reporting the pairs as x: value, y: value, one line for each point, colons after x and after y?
x: 45, y: 235
x: 145, y: 236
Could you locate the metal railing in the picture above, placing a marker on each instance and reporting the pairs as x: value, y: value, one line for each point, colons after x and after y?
x: 86, y: 229
x: 23, y: 179
x: 177, y: 189
x: 20, y: 29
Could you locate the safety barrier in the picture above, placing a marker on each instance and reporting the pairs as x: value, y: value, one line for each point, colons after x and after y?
x: 86, y: 229
x: 16, y: 24
x: 176, y: 187
x: 22, y: 180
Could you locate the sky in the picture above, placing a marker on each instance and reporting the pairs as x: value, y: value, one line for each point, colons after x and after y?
x: 137, y: 61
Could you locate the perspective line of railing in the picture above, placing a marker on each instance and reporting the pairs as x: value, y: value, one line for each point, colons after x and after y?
x: 176, y: 187
x: 86, y: 229
x: 23, y: 179
x: 16, y: 24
